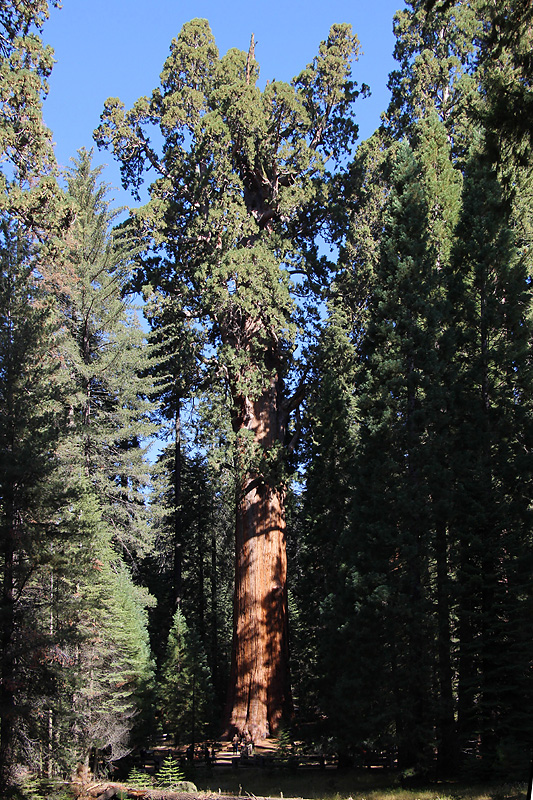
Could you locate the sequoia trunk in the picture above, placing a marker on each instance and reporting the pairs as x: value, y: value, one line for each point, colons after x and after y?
x: 259, y: 694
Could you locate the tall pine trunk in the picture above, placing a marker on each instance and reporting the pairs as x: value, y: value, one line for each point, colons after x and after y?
x: 259, y: 694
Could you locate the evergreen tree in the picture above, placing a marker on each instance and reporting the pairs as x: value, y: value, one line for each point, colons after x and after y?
x: 503, y: 59
x: 385, y: 555
x: 111, y: 680
x: 436, y: 54
x: 185, y: 689
x: 206, y: 525
x: 38, y: 487
x: 89, y: 676
x: 391, y: 537
x: 105, y: 355
x: 488, y: 273
x: 329, y: 446
x: 177, y: 345
x: 367, y: 187
x: 28, y: 187
x: 72, y: 468
x: 170, y: 773
x: 235, y: 208
x: 490, y: 295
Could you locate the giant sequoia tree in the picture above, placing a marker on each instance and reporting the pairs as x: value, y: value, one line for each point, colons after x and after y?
x: 240, y: 193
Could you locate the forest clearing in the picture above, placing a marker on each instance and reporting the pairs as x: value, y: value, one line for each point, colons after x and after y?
x: 302, y: 790
x: 269, y: 776
x: 289, y: 783
x: 266, y: 435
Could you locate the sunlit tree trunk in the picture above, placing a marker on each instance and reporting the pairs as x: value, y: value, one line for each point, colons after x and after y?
x: 259, y: 695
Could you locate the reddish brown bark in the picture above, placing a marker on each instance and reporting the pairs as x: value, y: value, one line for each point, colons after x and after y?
x: 259, y: 695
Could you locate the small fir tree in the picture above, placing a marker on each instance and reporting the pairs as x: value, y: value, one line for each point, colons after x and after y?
x: 185, y: 692
x: 169, y: 774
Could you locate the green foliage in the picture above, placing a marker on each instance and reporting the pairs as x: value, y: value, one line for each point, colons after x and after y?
x: 329, y: 447
x: 59, y: 513
x: 245, y: 177
x: 31, y: 787
x: 185, y: 691
x: 105, y: 353
x: 139, y: 779
x: 415, y: 625
x: 102, y: 682
x: 28, y: 189
x: 436, y: 55
x: 284, y: 746
x: 193, y: 562
x: 38, y: 525
x: 382, y: 598
x: 169, y: 773
x: 491, y: 399
x: 113, y: 671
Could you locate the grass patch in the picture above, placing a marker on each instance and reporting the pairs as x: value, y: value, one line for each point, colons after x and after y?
x: 346, y: 785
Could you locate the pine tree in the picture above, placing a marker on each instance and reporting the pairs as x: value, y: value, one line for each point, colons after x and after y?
x: 107, y: 422
x: 489, y: 292
x: 39, y: 488
x: 28, y: 187
x: 185, y: 689
x: 388, y: 550
x: 366, y: 190
x: 392, y: 537
x: 329, y: 446
x: 442, y: 188
x: 176, y: 371
x: 110, y: 682
x: 77, y: 446
x: 206, y: 525
x: 105, y: 355
x: 170, y: 773
x: 486, y: 285
x: 88, y: 675
x: 436, y: 54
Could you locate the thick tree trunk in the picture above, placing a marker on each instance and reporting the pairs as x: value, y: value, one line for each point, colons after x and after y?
x: 259, y: 695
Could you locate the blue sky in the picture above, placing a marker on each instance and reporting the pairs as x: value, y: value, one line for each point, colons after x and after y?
x: 116, y: 48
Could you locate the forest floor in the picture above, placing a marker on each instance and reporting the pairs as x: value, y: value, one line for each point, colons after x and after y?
x: 232, y: 778
x: 349, y: 785
x: 224, y: 780
x: 345, y: 789
x: 312, y: 783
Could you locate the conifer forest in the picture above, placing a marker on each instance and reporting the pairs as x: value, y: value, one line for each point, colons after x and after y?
x: 266, y: 439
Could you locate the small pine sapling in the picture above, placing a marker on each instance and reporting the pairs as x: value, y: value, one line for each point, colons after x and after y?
x: 170, y: 773
x: 139, y: 779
